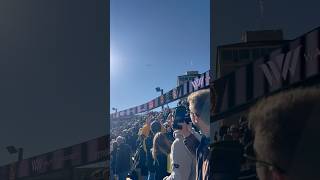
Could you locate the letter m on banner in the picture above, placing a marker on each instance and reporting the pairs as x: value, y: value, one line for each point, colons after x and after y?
x: 198, y: 83
x: 277, y: 69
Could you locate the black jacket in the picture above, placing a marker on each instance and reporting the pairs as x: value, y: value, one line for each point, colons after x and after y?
x: 123, y: 158
x: 161, y: 166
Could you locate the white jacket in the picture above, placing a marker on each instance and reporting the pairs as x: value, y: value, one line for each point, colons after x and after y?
x: 183, y: 162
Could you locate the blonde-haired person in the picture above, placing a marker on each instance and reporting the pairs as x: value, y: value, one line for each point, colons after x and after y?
x: 200, y: 107
x: 286, y: 135
x: 161, y: 153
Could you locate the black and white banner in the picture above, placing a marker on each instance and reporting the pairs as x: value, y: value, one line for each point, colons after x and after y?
x: 294, y: 63
x: 174, y: 94
x: 78, y: 155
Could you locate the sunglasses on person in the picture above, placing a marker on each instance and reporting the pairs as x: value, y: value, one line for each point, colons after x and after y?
x: 270, y: 166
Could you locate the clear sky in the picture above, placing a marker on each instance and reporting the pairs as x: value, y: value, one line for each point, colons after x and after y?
x: 152, y: 42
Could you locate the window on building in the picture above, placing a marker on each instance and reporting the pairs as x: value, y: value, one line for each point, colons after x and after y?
x: 256, y: 53
x: 244, y: 54
x: 235, y: 54
x: 226, y: 55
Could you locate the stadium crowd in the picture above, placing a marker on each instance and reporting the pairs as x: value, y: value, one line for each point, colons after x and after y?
x: 176, y: 145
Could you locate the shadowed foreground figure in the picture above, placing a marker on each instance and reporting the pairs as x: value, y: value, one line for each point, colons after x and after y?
x: 286, y: 129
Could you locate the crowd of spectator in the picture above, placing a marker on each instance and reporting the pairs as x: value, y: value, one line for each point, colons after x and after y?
x: 154, y: 146
x: 175, y: 144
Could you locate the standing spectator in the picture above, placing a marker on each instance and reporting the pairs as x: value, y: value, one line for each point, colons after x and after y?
x: 142, y: 167
x: 123, y: 163
x: 160, y: 152
x: 286, y: 132
x: 215, y: 139
x: 168, y: 127
x: 199, y: 105
x: 226, y: 156
x: 113, y: 159
x: 155, y: 128
x: 132, y: 139
x: 183, y: 161
x: 140, y: 159
x: 223, y: 131
x: 234, y: 132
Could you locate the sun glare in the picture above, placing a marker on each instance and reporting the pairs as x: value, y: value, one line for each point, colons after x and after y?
x: 115, y: 62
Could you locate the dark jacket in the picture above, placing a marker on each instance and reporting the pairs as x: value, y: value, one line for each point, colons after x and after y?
x: 201, y: 150
x: 161, y: 166
x: 149, y: 158
x: 227, y: 157
x: 140, y: 159
x: 113, y: 160
x: 123, y: 158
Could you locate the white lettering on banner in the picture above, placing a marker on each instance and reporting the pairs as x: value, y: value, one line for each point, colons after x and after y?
x: 39, y: 164
x: 182, y: 90
x: 207, y: 79
x: 198, y: 83
x: 278, y: 69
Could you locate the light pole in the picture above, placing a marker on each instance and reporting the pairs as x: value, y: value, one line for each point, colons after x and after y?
x: 14, y: 150
x: 158, y: 89
x: 115, y: 109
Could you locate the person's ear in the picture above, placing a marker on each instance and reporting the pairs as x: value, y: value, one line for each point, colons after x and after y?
x: 196, y: 118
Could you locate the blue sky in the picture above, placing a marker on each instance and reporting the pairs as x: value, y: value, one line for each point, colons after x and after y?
x: 152, y: 42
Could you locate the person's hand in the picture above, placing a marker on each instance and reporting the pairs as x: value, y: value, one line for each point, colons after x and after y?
x: 148, y: 120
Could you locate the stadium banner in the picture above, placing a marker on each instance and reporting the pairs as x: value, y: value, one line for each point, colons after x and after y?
x: 77, y: 155
x: 176, y: 93
x: 295, y: 63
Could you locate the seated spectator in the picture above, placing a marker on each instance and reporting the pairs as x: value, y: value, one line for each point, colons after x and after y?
x: 286, y: 132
